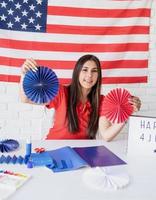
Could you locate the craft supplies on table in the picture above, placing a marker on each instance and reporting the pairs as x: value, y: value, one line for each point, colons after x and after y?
x: 10, y: 181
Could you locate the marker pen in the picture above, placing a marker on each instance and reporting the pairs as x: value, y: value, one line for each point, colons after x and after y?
x: 28, y: 147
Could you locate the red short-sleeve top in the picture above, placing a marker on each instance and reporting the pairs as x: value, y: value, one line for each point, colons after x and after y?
x: 60, y: 128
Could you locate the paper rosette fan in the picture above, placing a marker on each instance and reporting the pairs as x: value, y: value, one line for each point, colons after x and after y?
x: 116, y: 106
x: 8, y: 145
x: 98, y: 178
x: 41, y: 86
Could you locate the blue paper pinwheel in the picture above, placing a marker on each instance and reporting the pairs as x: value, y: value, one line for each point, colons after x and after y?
x: 41, y: 86
x: 8, y: 145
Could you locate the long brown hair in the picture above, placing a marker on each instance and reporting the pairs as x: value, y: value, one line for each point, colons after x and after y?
x: 93, y: 96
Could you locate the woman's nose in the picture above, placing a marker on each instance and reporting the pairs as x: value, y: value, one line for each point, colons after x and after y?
x: 89, y: 74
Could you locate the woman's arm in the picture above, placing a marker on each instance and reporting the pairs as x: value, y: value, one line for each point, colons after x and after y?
x: 109, y: 131
x: 29, y: 64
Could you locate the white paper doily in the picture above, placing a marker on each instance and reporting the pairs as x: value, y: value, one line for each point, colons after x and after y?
x: 103, y: 179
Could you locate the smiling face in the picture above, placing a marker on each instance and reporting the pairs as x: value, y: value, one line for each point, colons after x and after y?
x: 88, y: 75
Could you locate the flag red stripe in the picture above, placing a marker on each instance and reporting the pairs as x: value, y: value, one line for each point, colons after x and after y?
x: 8, y: 61
x: 115, y: 80
x: 9, y: 78
x: 142, y: 79
x: 98, y: 13
x: 90, y: 30
x: 115, y: 64
x: 69, y: 47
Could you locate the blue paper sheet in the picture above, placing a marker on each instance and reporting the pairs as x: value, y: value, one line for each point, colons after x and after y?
x: 98, y: 156
x: 66, y: 159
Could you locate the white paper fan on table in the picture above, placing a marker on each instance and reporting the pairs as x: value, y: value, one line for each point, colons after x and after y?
x: 99, y: 178
x: 116, y: 106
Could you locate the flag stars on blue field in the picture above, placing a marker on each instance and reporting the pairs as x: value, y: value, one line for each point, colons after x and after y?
x: 18, y: 6
x: 38, y: 27
x: 38, y: 14
x: 31, y: 20
x: 10, y: 25
x: 39, y: 2
x: 24, y: 26
x: 3, y: 17
x: 32, y: 7
x: 17, y: 19
x: 10, y: 12
x: 25, y: 1
x: 3, y: 4
x: 23, y: 15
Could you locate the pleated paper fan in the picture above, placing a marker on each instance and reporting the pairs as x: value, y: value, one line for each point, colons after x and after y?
x: 98, y: 178
x: 116, y: 106
x: 8, y: 145
x: 41, y: 86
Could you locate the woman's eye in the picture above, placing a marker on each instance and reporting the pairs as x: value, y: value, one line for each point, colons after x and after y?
x: 92, y: 71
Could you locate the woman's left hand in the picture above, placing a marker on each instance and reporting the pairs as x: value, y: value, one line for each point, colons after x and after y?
x: 136, y: 103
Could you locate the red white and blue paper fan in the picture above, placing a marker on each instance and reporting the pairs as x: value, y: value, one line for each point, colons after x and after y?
x: 41, y: 86
x: 8, y: 145
x: 116, y: 106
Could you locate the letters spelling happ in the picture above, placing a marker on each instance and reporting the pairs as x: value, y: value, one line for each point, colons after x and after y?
x: 149, y: 131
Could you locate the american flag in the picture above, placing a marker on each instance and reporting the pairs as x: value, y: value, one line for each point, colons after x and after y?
x: 57, y: 32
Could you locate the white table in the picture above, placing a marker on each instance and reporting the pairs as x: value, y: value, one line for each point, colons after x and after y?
x: 47, y: 185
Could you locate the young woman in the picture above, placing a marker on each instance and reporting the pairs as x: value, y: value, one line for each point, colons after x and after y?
x: 77, y: 106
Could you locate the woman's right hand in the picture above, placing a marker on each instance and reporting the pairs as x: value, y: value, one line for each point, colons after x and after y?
x: 29, y: 64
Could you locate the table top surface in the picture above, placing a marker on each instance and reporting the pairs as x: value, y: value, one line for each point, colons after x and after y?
x: 44, y: 184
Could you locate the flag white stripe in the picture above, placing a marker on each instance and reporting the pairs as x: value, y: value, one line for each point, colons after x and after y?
x: 66, y: 38
x: 97, y: 22
x: 70, y: 56
x: 135, y: 72
x: 66, y: 73
x: 108, y: 4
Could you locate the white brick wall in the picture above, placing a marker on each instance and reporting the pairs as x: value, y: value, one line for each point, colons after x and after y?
x: 18, y: 120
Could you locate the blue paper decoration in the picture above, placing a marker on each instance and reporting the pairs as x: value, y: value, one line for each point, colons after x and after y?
x: 40, y: 159
x: 8, y: 145
x: 13, y: 159
x: 41, y: 86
